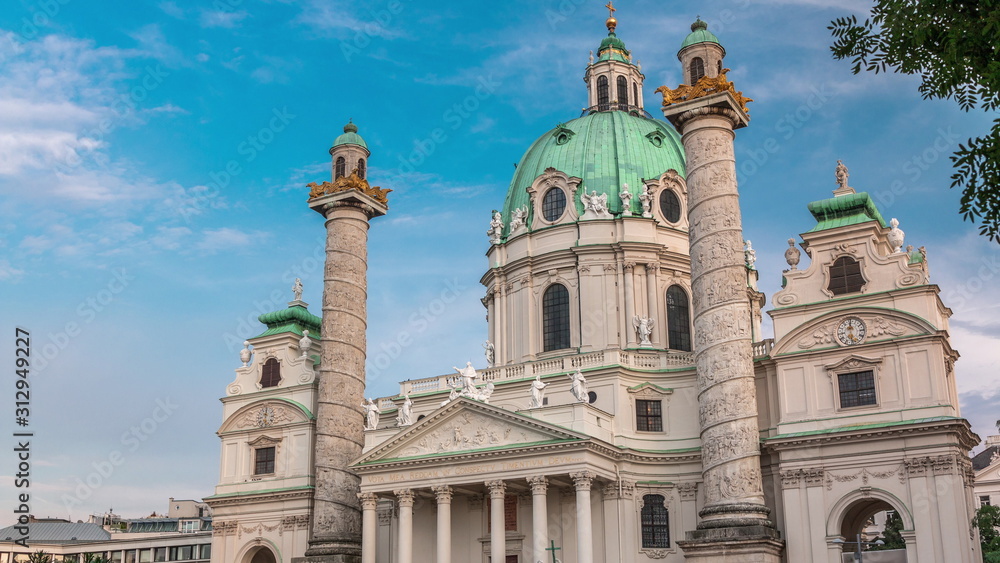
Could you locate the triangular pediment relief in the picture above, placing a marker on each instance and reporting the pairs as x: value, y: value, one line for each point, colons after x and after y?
x: 880, y: 324
x: 648, y: 389
x: 464, y: 426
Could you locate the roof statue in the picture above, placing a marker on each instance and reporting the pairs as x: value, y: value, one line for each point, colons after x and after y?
x: 297, y: 289
x: 705, y: 86
x: 842, y: 176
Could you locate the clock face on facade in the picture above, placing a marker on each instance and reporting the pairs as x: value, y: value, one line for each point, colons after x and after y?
x: 851, y: 331
x: 265, y: 417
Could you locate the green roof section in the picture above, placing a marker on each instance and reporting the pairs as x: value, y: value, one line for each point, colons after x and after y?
x: 700, y: 34
x: 870, y: 426
x: 840, y: 211
x: 294, y: 319
x: 606, y: 150
x: 350, y: 137
x: 613, y: 49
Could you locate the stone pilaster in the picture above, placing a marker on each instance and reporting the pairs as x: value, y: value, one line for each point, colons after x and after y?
x: 734, y: 498
x: 336, y: 519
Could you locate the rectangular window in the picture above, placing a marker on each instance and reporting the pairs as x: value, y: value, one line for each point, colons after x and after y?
x: 145, y: 556
x: 185, y: 553
x: 984, y: 500
x: 191, y: 526
x: 655, y: 521
x: 648, y: 416
x: 159, y: 554
x: 130, y: 556
x: 116, y: 557
x: 857, y: 389
x: 206, y: 551
x: 263, y: 461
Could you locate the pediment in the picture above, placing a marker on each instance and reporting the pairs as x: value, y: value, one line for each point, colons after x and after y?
x: 464, y: 426
x: 821, y: 332
x: 266, y: 413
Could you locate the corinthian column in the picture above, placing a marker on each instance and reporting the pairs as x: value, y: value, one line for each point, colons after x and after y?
x: 730, y: 438
x: 498, y: 533
x: 336, y: 517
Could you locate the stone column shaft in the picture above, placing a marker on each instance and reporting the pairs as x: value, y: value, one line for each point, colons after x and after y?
x: 652, y: 300
x: 443, y: 495
x: 539, y: 517
x: 336, y: 518
x: 369, y: 526
x: 498, y: 533
x: 405, y: 541
x: 584, y: 527
x: 629, y: 284
x: 730, y: 436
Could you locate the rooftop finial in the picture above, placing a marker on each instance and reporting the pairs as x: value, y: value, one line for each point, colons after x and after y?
x: 612, y: 23
x: 698, y: 24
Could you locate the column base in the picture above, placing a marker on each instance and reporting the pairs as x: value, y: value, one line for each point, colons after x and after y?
x: 741, y: 544
x: 332, y: 558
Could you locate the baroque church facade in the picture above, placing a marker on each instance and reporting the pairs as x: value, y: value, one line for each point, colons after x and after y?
x: 611, y: 422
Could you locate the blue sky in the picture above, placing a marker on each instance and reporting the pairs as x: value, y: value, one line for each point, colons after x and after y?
x: 153, y: 157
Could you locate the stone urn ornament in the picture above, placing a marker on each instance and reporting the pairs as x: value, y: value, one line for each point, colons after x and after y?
x: 245, y: 353
x: 895, y: 236
x: 792, y: 255
x: 305, y: 344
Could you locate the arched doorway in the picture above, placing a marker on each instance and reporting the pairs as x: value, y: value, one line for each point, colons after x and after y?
x: 877, y: 526
x: 260, y: 555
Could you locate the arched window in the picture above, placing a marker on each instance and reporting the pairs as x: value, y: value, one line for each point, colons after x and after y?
x: 655, y: 522
x: 270, y: 374
x: 340, y: 168
x: 361, y: 168
x: 553, y: 204
x: 603, y: 95
x: 697, y: 69
x: 670, y: 206
x: 622, y: 93
x: 678, y: 319
x: 555, y: 318
x: 635, y: 93
x: 845, y: 276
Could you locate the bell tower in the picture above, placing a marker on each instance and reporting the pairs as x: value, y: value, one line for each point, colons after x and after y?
x: 701, y: 54
x: 614, y: 81
x: 349, y: 153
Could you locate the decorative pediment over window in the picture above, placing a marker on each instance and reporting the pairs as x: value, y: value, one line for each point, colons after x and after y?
x: 265, y: 414
x: 649, y: 390
x: 854, y: 363
x: 265, y: 442
x: 563, y: 134
x: 465, y: 426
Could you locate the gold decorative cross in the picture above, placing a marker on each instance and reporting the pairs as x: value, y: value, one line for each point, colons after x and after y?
x: 611, y: 8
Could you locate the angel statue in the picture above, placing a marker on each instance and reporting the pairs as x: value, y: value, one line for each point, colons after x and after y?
x: 643, y: 328
x: 579, y: 386
x: 595, y: 203
x: 371, y: 414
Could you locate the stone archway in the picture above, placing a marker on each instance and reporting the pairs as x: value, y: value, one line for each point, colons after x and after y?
x: 851, y: 515
x: 260, y: 554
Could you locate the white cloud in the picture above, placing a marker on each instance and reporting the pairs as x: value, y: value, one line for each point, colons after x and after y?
x: 172, y: 10
x: 226, y: 238
x: 8, y: 272
x: 220, y: 18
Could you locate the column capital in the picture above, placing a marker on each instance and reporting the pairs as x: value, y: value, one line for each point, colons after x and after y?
x: 369, y: 501
x: 652, y: 267
x: 538, y: 484
x: 619, y: 489
x: 582, y: 480
x: 443, y: 493
x: 628, y: 266
x: 498, y: 489
x: 404, y: 497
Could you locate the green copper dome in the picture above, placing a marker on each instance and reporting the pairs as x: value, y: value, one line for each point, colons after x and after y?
x: 606, y: 149
x: 350, y: 137
x: 700, y: 34
x: 613, y: 49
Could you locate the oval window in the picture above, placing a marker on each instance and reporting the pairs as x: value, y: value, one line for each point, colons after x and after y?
x: 670, y: 206
x: 553, y: 204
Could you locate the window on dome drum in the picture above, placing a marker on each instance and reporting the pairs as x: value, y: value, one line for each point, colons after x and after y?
x: 857, y: 389
x: 340, y: 168
x: 270, y: 374
x: 361, y: 168
x: 845, y: 276
x: 648, y: 415
x: 670, y: 206
x: 697, y: 69
x: 263, y: 461
x: 655, y: 522
x: 678, y: 319
x: 635, y: 94
x: 603, y: 93
x: 553, y: 204
x: 622, y: 93
x: 555, y: 318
